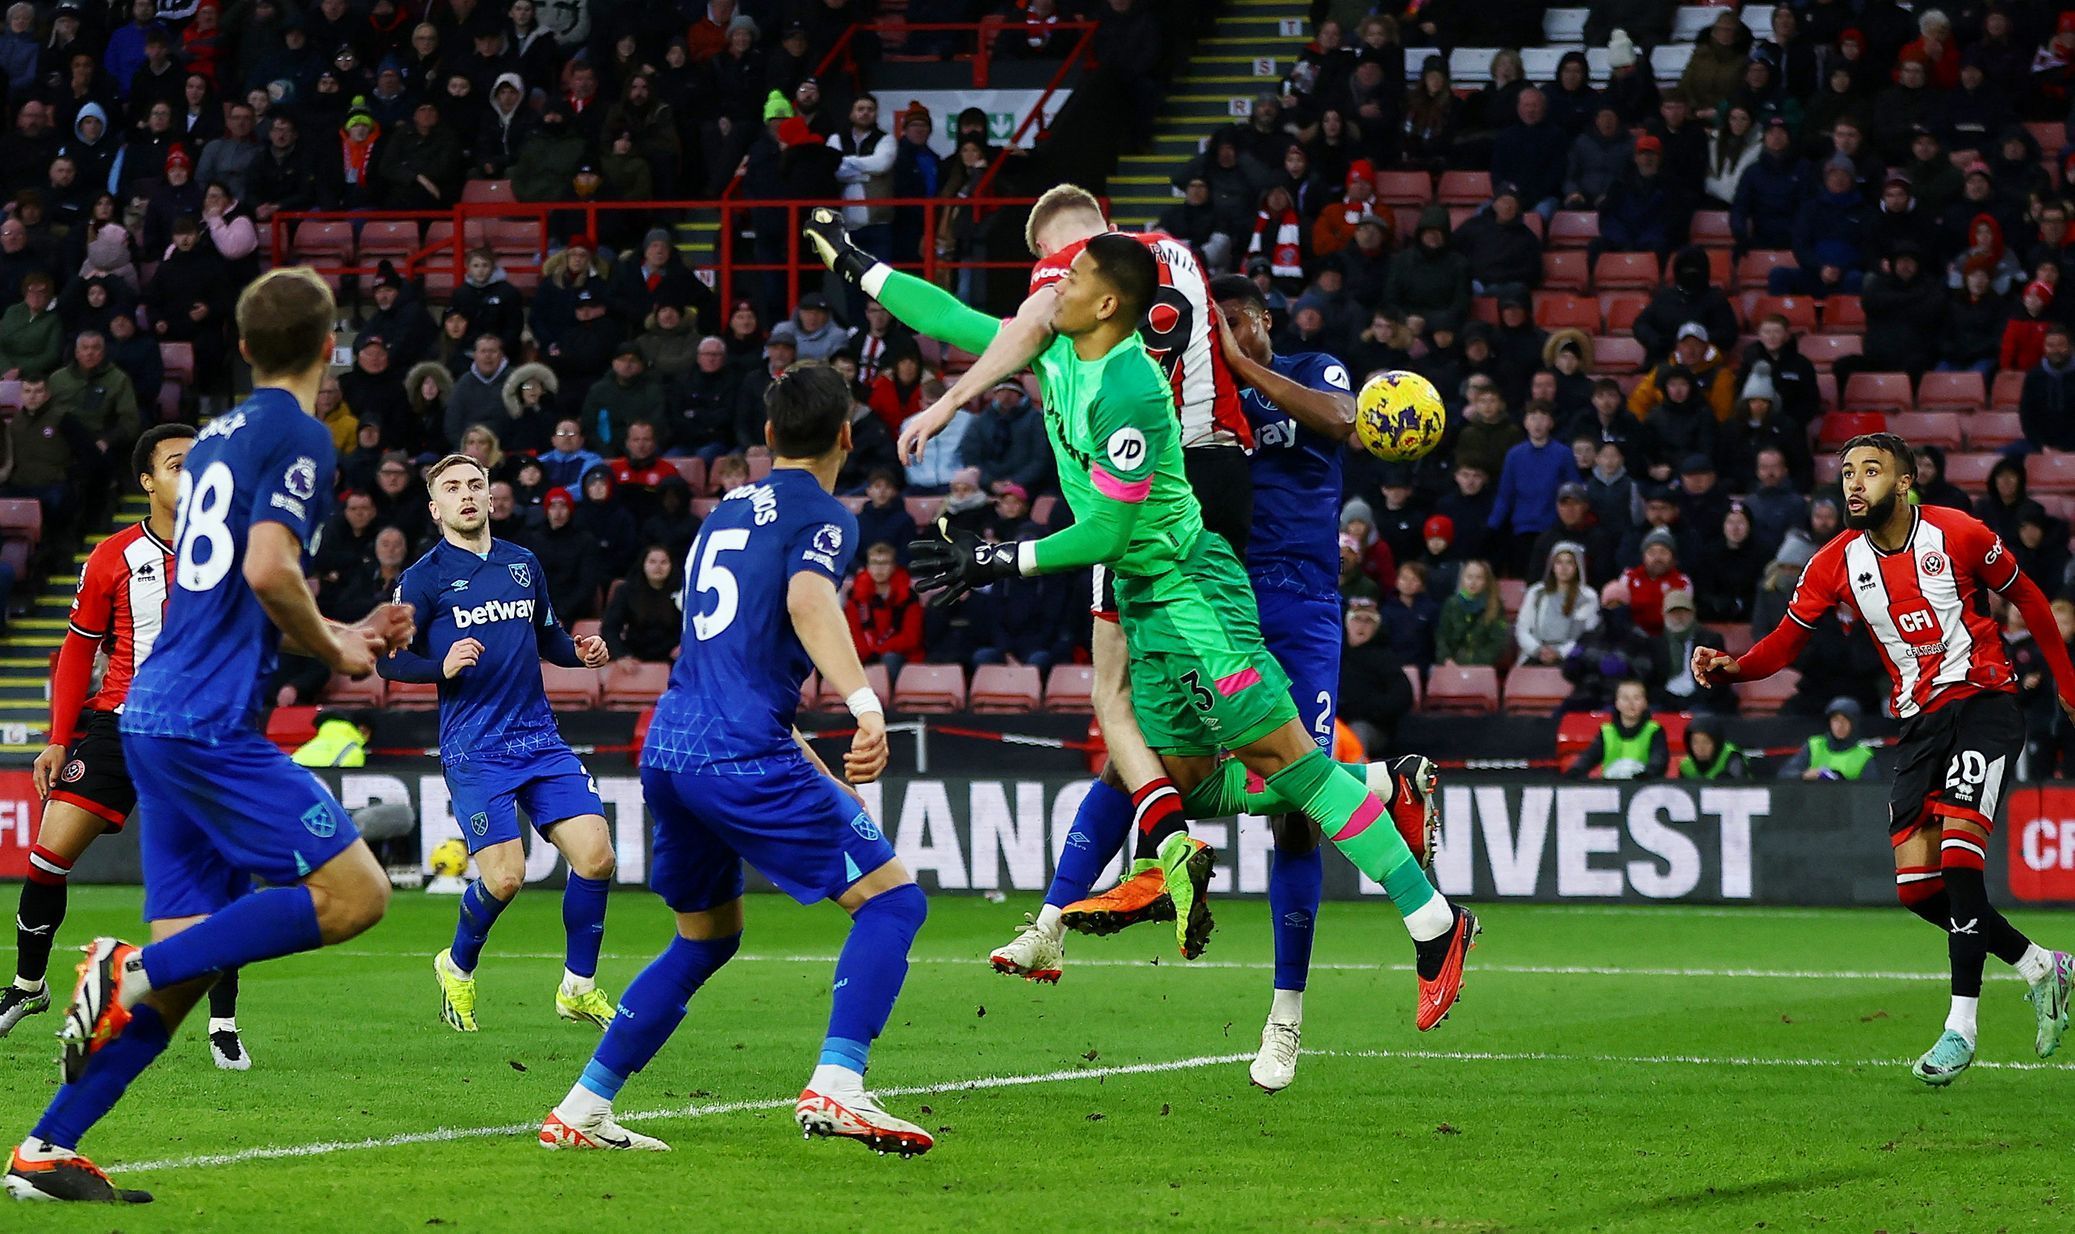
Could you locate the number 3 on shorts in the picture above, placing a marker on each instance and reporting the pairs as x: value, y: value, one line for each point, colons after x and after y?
x: 1197, y: 694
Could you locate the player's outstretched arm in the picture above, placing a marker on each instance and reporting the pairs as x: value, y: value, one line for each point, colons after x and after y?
x: 274, y: 571
x: 409, y: 662
x: 1019, y: 342
x: 2034, y: 607
x: 817, y: 617
x: 69, y: 685
x: 1329, y: 413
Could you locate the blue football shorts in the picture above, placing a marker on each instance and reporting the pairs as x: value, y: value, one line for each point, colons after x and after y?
x: 215, y: 817
x: 550, y: 784
x: 794, y: 824
x: 1302, y: 632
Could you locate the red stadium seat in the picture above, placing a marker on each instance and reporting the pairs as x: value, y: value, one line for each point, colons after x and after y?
x: 1512, y: 591
x: 1992, y: 430
x: 2050, y: 473
x: 826, y: 699
x: 924, y: 510
x: 1711, y: 229
x: 1573, y: 229
x: 1070, y: 688
x: 390, y: 238
x: 703, y: 507
x: 1826, y: 391
x: 314, y: 238
x: 1844, y: 315
x: 1765, y: 698
x: 21, y: 518
x: 1737, y: 638
x: 1962, y: 392
x: 1757, y: 264
x: 589, y: 626
x: 693, y: 469
x: 1486, y: 309
x: 1003, y: 689
x: 1928, y: 428
x: 1418, y: 690
x: 1618, y: 270
x: 1800, y: 311
x: 630, y: 685
x: 1565, y: 270
x: 572, y: 688
x: 411, y: 696
x: 1556, y: 310
x: 2050, y: 134
x: 1841, y: 426
x: 1404, y: 188
x: 1535, y: 690
x: 290, y: 727
x: 1879, y: 392
x: 1616, y: 355
x: 179, y: 362
x: 488, y: 190
x: 1621, y: 308
x: 1970, y: 471
x: 930, y: 688
x: 346, y: 692
x: 1824, y: 350
x: 2008, y: 388
x: 1463, y: 690
x: 1464, y: 188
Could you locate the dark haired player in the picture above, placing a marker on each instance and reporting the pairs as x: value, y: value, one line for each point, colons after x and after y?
x: 223, y: 805
x: 485, y: 623
x: 86, y: 789
x: 1200, y: 678
x: 729, y: 779
x: 1918, y: 578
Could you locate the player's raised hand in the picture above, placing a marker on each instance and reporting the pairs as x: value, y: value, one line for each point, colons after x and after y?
x: 353, y: 652
x: 395, y: 625
x: 592, y: 651
x: 866, y: 758
x: 950, y: 568
x: 45, y: 770
x: 1711, y: 667
x: 917, y: 429
x: 1226, y: 342
x: 462, y: 654
x: 831, y: 242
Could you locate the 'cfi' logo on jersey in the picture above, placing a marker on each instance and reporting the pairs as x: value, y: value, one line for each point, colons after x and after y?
x: 1933, y: 564
x: 522, y: 573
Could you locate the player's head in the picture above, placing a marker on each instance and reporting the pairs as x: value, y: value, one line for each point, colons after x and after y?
x: 807, y: 413
x: 1111, y: 283
x: 460, y: 488
x: 1064, y: 214
x: 156, y: 460
x: 1877, y: 470
x: 284, y: 325
x: 1239, y: 298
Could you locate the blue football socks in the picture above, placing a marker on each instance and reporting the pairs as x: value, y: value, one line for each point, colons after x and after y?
x: 1100, y: 826
x: 583, y: 923
x: 869, y: 973
x: 262, y: 926
x: 652, y: 1008
x: 479, y: 910
x: 1294, y: 884
x: 77, y: 1107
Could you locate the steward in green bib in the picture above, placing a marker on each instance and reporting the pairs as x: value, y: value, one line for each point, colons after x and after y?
x: 1709, y: 756
x: 1631, y: 746
x: 341, y: 741
x: 1834, y: 755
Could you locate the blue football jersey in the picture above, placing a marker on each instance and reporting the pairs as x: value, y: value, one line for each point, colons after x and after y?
x: 497, y: 705
x: 267, y: 461
x: 736, y: 683
x: 1295, y: 544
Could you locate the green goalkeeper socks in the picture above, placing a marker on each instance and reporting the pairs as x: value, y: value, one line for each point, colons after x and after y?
x: 1356, y: 821
x: 1226, y: 793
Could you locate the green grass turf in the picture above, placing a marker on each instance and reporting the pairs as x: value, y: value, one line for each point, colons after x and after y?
x: 1608, y: 1101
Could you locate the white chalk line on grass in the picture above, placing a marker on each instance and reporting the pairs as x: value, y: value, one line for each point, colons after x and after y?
x: 1525, y: 970
x: 441, y: 1135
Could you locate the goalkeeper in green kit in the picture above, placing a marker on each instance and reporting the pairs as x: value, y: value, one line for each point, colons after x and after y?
x: 1201, y: 679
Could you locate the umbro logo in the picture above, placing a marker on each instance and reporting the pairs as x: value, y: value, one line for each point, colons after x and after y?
x: 459, y: 584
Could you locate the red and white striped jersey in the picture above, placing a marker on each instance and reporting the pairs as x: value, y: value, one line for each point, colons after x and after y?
x: 122, y: 603
x: 1181, y: 338
x: 1924, y: 604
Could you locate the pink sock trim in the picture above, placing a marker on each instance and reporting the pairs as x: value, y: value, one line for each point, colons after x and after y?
x: 1370, y: 811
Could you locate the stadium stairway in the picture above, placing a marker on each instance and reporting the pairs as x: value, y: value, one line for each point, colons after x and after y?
x: 26, y: 648
x: 1254, y: 43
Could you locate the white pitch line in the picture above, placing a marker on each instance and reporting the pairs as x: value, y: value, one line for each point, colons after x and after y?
x: 440, y: 1135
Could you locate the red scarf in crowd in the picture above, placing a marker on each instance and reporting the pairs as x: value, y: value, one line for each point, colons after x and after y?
x: 1284, y: 250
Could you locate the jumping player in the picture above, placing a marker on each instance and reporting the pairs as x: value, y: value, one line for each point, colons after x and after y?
x: 1917, y: 577
x: 222, y: 804
x: 484, y: 623
x: 1197, y: 667
x: 729, y: 779
x: 86, y: 790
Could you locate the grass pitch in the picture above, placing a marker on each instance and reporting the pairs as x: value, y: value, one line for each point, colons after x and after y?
x: 1642, y: 1069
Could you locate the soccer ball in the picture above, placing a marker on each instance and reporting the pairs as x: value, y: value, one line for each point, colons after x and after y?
x: 1398, y: 416
x: 450, y: 859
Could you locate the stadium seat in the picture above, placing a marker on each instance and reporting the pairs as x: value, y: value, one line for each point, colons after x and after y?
x: 1800, y: 311
x: 584, y: 629
x: 1561, y: 26
x: 1765, y: 698
x: 517, y: 237
x: 1621, y: 308
x: 1928, y: 428
x: 1961, y: 392
x: 320, y: 240
x: 875, y: 676
x: 1462, y: 689
x: 2009, y: 387
x: 924, y: 509
x: 411, y: 696
x: 1828, y: 468
x: 1404, y: 188
x: 1616, y: 355
x: 1512, y: 591
x: 1737, y: 638
x: 1826, y: 391
x: 1824, y: 350
x: 488, y: 191
x: 1557, y: 310
x: 1991, y: 430
x: 1721, y: 268
x: 2050, y: 134
x: 1841, y: 426
x: 1003, y: 689
x: 930, y: 689
x: 703, y: 507
x: 854, y: 504
x: 1970, y: 471
x: 1573, y: 229
x: 1752, y: 270
x: 2050, y: 473
x: 391, y: 238
x: 1690, y: 21
x: 1042, y: 509
x: 289, y: 727
x: 1879, y: 392
x: 1711, y: 229
x: 693, y: 470
x: 1070, y: 688
x: 11, y: 391
x: 1844, y: 315
x: 630, y: 685
x: 1535, y: 690
x: 574, y: 688
x: 1418, y: 687
x: 1669, y: 60
x: 1464, y: 188
x: 1614, y: 271
x: 178, y: 360
x: 346, y: 692
x: 21, y: 518
x: 1486, y: 308
x: 1565, y: 270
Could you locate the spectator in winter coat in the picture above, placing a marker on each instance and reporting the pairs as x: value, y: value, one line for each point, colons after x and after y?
x: 2024, y: 335
x: 705, y: 425
x: 1007, y: 440
x: 1975, y: 315
x: 1528, y: 482
x: 896, y: 393
x: 478, y: 396
x: 1793, y: 378
x: 568, y: 557
x: 1337, y: 223
x: 569, y: 461
x: 1904, y: 309
x: 1577, y: 524
x: 1932, y: 488
x: 1731, y: 567
x: 1717, y: 66
x: 1647, y: 584
x: 1408, y: 616
x: 2046, y: 408
x: 1558, y: 610
x: 1530, y: 154
x: 1714, y: 383
x: 1770, y: 191
x: 885, y: 617
x: 1689, y: 295
x: 644, y: 622
x: 884, y: 518
x: 1758, y: 426
x: 608, y: 522
x: 30, y: 333
x: 1776, y: 502
x: 1486, y: 431
x: 1985, y: 248
x: 528, y: 423
x: 1374, y: 692
x: 490, y: 301
x: 1471, y: 628
x: 1503, y: 252
x: 1597, y: 157
x: 1644, y: 211
x: 1429, y: 280
x: 1679, y: 425
x: 1829, y: 238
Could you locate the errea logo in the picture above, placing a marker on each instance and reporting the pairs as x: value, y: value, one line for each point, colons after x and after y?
x: 493, y: 610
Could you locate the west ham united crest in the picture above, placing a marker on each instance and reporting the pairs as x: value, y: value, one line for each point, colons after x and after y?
x: 522, y: 573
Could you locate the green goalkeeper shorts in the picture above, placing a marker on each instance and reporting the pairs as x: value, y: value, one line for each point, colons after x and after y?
x: 1201, y: 679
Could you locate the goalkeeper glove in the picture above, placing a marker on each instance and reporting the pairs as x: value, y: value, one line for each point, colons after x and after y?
x: 948, y: 570
x: 831, y: 241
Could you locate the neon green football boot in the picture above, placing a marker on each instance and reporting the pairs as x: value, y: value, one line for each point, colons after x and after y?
x: 1186, y: 862
x: 457, y: 994
x: 589, y: 1006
